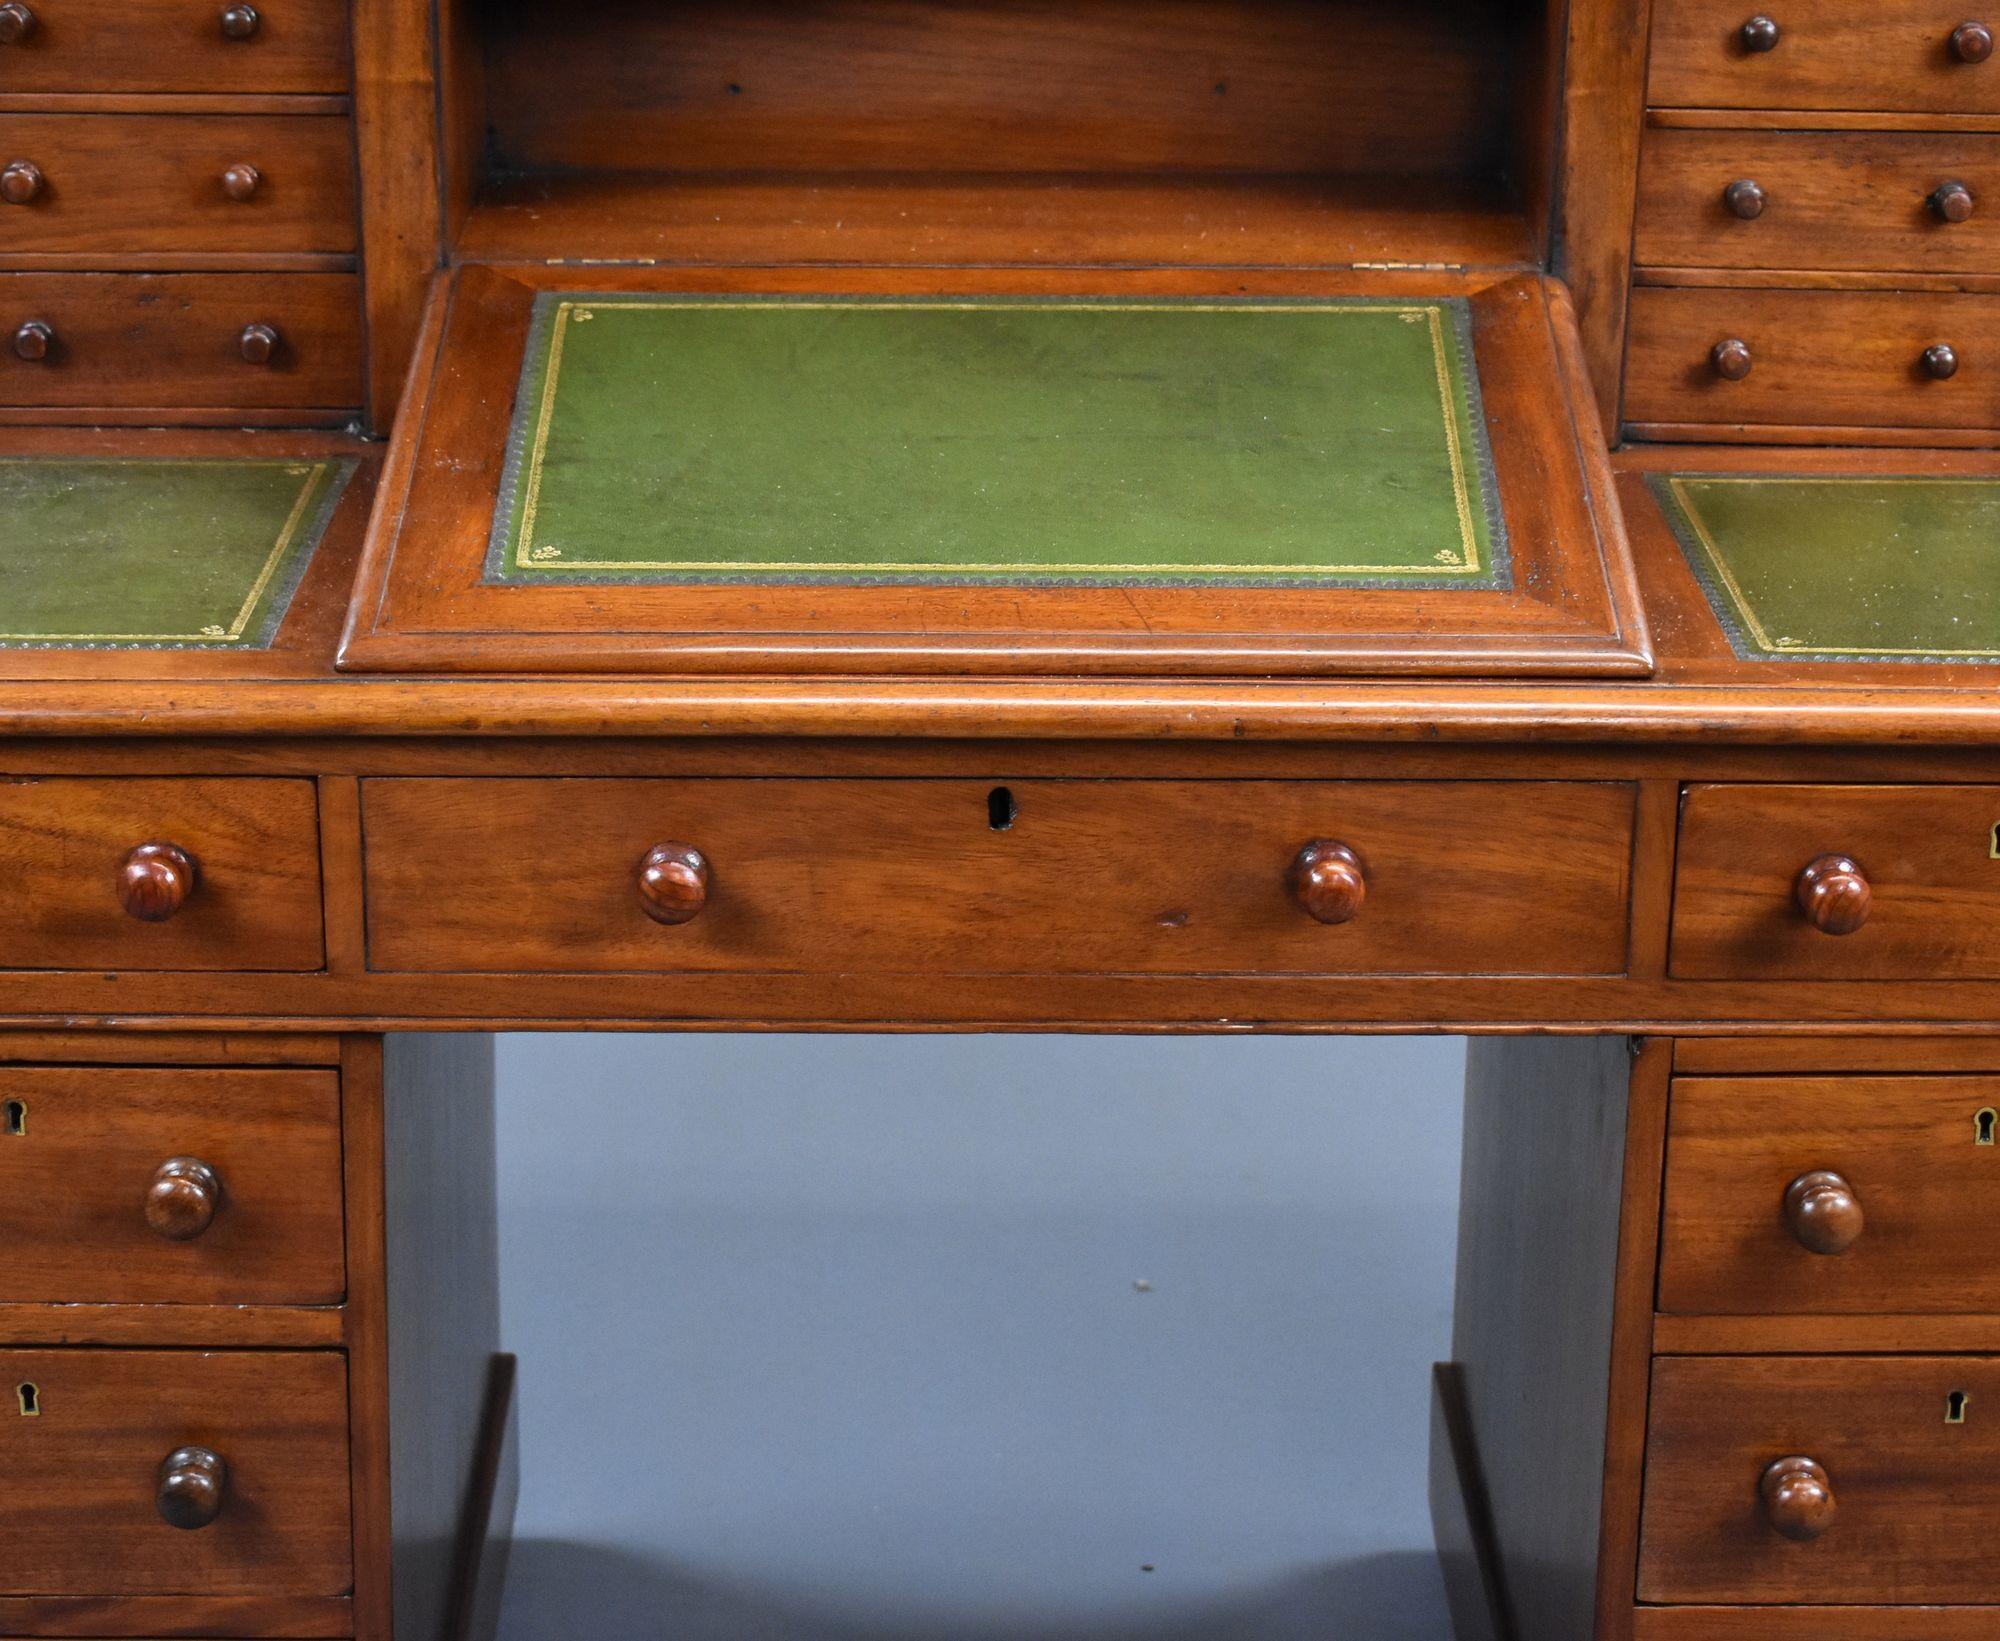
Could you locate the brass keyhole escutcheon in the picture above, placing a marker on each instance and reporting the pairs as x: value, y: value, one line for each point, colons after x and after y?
x: 1954, y: 1407
x: 1983, y: 1126
x: 16, y: 1119
x: 30, y: 1399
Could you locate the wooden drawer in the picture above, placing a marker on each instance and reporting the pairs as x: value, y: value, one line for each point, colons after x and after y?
x: 1914, y: 1498
x: 82, y: 1512
x: 66, y: 844
x: 913, y: 876
x: 1817, y: 358
x: 1832, y: 1195
x: 1832, y: 199
x: 185, y: 1186
x: 153, y: 183
x: 179, y: 45
x: 180, y: 339
x: 1929, y: 855
x: 1903, y: 55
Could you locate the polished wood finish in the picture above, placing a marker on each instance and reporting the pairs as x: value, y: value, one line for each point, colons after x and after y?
x: 1835, y: 894
x: 1823, y: 1212
x: 1798, y: 1498
x: 104, y: 47
x: 1329, y: 882
x: 673, y: 883
x: 156, y: 881
x: 183, y: 1199
x: 194, y: 1484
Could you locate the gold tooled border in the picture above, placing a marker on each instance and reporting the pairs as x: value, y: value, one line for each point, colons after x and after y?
x: 1470, y: 559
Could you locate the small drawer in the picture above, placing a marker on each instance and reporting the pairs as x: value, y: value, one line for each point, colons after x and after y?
x: 114, y: 1485
x: 1825, y: 1481
x: 1928, y: 56
x: 1789, y: 358
x: 1849, y: 200
x: 178, y: 45
x: 190, y: 1187
x: 1043, y: 876
x: 1838, y: 883
x: 195, y: 340
x: 1832, y: 1195
x: 170, y: 873
x: 161, y: 184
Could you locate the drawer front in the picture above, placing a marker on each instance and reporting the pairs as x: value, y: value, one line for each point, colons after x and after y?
x: 1907, y: 55
x: 1815, y: 358
x: 160, y: 183
x: 84, y: 1514
x: 1856, y: 200
x: 1830, y: 1195
x: 1909, y: 1498
x: 180, y: 45
x: 241, y: 856
x: 1928, y: 861
x: 184, y: 1186
x: 914, y: 876
x: 181, y: 339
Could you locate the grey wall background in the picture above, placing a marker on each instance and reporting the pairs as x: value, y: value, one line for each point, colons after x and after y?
x: 1025, y: 1337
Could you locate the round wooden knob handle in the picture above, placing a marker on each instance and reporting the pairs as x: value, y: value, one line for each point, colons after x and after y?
x: 33, y: 338
x: 1953, y: 202
x: 17, y: 22
x: 1745, y: 198
x: 673, y: 883
x: 1972, y: 42
x: 1834, y: 894
x: 156, y: 881
x: 259, y: 343
x: 193, y: 1483
x: 1823, y: 1212
x: 1329, y: 882
x: 1731, y: 359
x: 240, y: 182
x: 239, y: 22
x: 183, y: 1198
x: 1939, y: 361
x: 1798, y: 1498
x: 21, y: 182
x: 1761, y: 33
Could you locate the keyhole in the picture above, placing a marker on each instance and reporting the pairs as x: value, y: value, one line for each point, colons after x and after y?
x: 31, y: 1401
x: 1000, y: 809
x: 1954, y: 1407
x: 1983, y: 1125
x: 17, y: 1116
x: 1995, y: 850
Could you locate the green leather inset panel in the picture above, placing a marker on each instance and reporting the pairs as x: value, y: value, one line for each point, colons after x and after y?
x: 681, y: 439
x: 156, y: 553
x: 1807, y: 567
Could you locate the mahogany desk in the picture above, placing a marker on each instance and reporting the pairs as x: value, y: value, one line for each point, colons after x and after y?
x: 1716, y: 890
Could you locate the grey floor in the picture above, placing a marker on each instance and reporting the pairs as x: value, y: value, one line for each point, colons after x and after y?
x: 1052, y: 1338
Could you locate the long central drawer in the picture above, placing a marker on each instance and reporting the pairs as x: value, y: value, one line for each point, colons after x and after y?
x: 1041, y: 876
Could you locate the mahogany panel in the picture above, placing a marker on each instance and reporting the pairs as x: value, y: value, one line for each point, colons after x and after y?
x: 123, y: 46
x: 988, y: 877
x: 255, y: 903
x: 1910, y: 1492
x: 81, y: 1514
x: 1920, y: 1157
x: 86, y: 1197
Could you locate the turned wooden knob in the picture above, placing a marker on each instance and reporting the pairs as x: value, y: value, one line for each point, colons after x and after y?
x: 1798, y: 1498
x: 21, y: 182
x: 181, y: 1202
x: 17, y: 22
x: 156, y: 880
x: 259, y: 343
x: 33, y: 338
x: 1731, y: 359
x: 1329, y: 882
x: 1953, y: 202
x: 240, y: 182
x: 1761, y: 33
x: 193, y: 1483
x: 673, y: 883
x: 239, y: 22
x: 1745, y: 198
x: 1834, y: 894
x: 1939, y: 361
x: 1972, y: 42
x: 1823, y: 1212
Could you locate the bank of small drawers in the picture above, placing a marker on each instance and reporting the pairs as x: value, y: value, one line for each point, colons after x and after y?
x: 203, y: 46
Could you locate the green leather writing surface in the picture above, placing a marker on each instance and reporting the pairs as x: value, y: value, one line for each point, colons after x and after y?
x: 682, y: 439
x: 1844, y: 568
x: 156, y: 553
